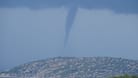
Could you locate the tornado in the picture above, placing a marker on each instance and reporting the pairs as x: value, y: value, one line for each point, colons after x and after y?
x: 69, y: 22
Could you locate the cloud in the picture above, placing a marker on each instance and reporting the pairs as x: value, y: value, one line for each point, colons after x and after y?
x: 69, y: 22
x: 118, y: 6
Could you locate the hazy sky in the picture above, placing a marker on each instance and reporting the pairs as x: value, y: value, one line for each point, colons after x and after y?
x: 29, y: 34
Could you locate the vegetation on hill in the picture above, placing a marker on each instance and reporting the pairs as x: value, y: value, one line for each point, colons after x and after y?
x: 126, y: 76
x: 72, y: 67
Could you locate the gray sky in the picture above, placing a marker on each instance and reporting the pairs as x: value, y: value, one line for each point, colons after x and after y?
x: 27, y: 34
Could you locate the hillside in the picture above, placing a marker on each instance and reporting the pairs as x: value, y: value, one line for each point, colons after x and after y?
x: 72, y: 67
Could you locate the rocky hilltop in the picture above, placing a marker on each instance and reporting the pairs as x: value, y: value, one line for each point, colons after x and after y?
x: 72, y: 67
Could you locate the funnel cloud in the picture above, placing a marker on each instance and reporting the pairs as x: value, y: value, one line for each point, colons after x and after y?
x: 69, y: 22
x: 118, y: 6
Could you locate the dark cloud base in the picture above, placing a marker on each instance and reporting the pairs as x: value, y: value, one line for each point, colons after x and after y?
x: 119, y: 6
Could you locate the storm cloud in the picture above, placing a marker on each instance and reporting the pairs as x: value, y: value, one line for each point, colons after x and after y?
x: 118, y: 6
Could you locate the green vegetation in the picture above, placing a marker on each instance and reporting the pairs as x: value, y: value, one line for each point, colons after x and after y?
x: 126, y: 76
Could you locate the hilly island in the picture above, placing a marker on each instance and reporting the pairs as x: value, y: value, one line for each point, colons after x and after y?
x: 74, y: 67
